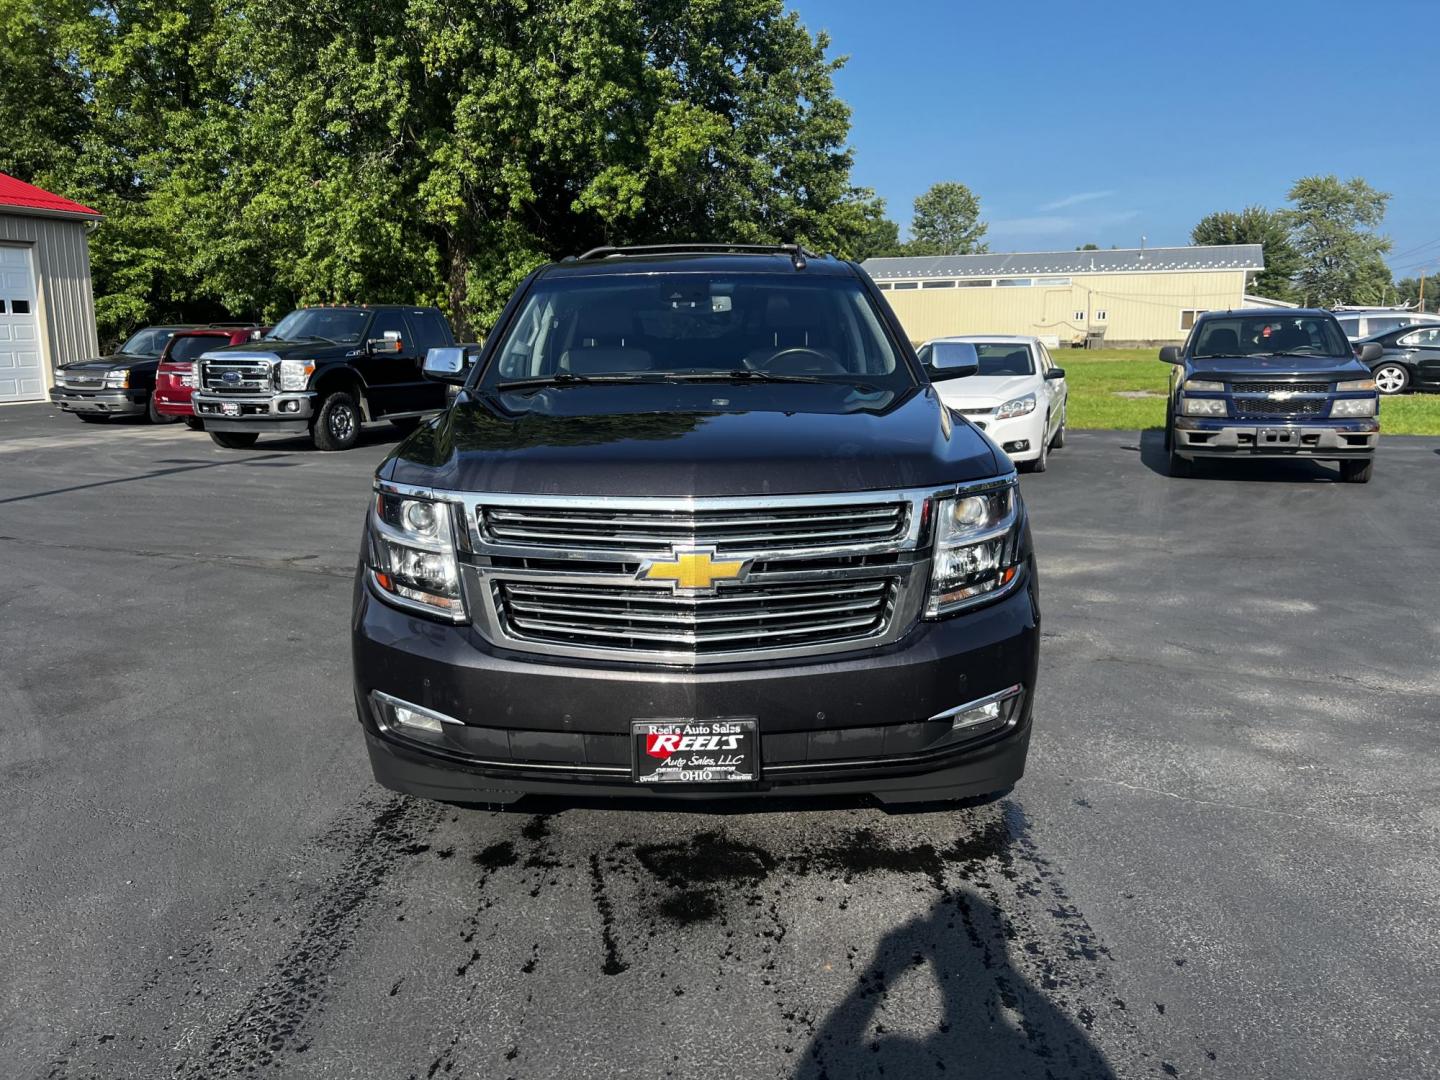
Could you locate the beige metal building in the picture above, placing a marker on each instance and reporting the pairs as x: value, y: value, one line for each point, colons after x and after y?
x: 1118, y: 297
x: 47, y: 309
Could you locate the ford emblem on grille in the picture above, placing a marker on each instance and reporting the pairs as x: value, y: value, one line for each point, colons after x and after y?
x: 231, y: 376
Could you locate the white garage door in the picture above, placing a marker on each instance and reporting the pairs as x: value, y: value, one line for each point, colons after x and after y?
x: 20, y: 376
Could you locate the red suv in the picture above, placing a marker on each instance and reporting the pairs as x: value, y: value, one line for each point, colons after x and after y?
x: 175, y: 379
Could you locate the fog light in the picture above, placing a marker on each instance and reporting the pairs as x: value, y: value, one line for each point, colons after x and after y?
x: 290, y: 406
x: 995, y: 711
x: 402, y: 714
x: 1017, y: 447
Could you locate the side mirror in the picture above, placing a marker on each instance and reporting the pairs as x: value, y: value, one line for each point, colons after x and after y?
x: 446, y: 363
x: 952, y: 360
x: 1370, y: 352
x: 1055, y: 373
x: 1170, y: 354
x: 390, y: 343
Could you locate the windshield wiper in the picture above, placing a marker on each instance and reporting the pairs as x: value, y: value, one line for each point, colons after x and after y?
x: 1311, y: 355
x: 755, y: 375
x: 569, y: 378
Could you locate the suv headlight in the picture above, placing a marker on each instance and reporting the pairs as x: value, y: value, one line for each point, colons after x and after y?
x: 1016, y: 407
x: 1359, y: 406
x: 117, y: 380
x: 1204, y: 384
x: 295, y: 374
x: 412, y: 555
x: 1204, y: 406
x: 977, y: 548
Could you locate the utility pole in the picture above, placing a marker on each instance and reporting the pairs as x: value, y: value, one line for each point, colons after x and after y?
x: 1422, y: 291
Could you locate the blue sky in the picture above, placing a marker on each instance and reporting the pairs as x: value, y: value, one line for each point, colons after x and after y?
x: 1102, y: 122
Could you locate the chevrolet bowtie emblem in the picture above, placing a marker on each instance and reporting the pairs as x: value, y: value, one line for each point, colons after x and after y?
x: 693, y: 571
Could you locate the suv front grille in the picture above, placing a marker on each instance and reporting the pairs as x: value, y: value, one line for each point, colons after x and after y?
x: 810, y: 527
x: 1280, y: 388
x: 630, y: 617
x: 250, y: 376
x: 1270, y: 407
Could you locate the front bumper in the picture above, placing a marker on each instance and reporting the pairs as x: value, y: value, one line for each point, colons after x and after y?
x: 1281, y: 438
x: 106, y: 402
x: 1013, y: 431
x: 278, y: 413
x: 173, y: 406
x: 857, y: 724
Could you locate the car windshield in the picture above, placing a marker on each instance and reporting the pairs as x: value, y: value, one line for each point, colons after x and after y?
x: 188, y: 348
x: 340, y: 325
x: 698, y: 325
x: 148, y: 342
x: 1004, y: 358
x: 1264, y: 335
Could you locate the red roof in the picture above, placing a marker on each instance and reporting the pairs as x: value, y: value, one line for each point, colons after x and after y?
x: 29, y: 197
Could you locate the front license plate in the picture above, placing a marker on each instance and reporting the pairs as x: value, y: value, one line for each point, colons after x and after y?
x: 229, y: 408
x: 694, y: 751
x: 1277, y: 438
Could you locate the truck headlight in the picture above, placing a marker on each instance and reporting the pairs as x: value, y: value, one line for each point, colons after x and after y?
x: 1016, y: 407
x: 295, y: 374
x: 1353, y: 406
x: 1204, y: 406
x: 117, y: 380
x: 412, y: 555
x: 977, y: 548
x: 1203, y: 384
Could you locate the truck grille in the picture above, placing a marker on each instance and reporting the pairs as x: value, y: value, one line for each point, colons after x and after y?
x: 628, y: 617
x: 630, y: 530
x: 1280, y: 388
x: 82, y: 382
x: 1269, y: 407
x: 249, y: 376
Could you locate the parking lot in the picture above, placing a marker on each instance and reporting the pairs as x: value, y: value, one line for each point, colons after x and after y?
x: 1221, y: 863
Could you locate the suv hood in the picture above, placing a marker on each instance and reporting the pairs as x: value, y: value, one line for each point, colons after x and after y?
x: 697, y: 439
x: 113, y: 362
x: 978, y: 391
x: 1298, y: 366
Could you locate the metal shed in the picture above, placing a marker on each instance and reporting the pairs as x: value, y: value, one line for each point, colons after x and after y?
x: 47, y: 307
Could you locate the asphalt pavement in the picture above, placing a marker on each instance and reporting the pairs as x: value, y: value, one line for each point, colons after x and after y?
x: 1221, y: 863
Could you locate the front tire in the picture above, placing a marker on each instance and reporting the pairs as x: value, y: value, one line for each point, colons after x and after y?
x: 337, y: 424
x: 234, y: 440
x: 194, y: 423
x: 1041, y: 463
x: 1176, y: 465
x: 1058, y: 442
x: 1392, y: 378
x: 1356, y: 472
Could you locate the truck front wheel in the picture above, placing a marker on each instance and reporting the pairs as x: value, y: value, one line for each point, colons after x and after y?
x: 337, y: 424
x: 1356, y: 472
x: 234, y: 440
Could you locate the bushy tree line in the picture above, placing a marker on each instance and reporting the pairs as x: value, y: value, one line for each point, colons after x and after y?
x: 251, y: 155
x: 1322, y: 250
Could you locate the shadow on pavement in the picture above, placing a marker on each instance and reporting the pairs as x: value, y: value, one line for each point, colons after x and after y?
x: 1154, y: 457
x: 993, y: 1022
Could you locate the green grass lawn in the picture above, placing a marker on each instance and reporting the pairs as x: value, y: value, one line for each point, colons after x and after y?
x: 1100, y: 379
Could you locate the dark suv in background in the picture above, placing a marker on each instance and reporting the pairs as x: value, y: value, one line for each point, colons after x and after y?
x: 322, y: 372
x: 697, y: 525
x: 1278, y: 383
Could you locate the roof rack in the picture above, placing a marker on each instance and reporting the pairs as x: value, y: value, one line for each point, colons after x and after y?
x: 798, y: 255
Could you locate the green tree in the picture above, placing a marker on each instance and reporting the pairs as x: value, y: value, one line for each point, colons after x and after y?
x: 947, y: 222
x: 880, y: 238
x: 1341, y: 257
x: 1088, y: 247
x: 1256, y: 225
x: 1408, y: 291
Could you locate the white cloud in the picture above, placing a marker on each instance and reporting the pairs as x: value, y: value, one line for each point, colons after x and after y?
x: 1059, y: 224
x: 1075, y: 200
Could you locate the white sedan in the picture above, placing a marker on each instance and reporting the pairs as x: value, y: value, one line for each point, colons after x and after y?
x: 1018, y: 397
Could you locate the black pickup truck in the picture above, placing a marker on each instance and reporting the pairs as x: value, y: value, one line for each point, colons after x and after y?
x: 121, y: 384
x: 1272, y: 383
x: 697, y: 526
x: 323, y: 371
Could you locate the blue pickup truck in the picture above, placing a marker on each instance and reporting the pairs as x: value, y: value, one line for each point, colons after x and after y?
x: 1272, y: 383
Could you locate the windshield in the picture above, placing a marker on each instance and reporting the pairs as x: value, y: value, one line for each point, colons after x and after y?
x: 340, y: 325
x: 1264, y: 335
x: 698, y: 325
x: 1004, y: 358
x: 188, y: 348
x: 147, y: 342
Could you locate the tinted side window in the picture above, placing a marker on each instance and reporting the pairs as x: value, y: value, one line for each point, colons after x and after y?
x: 1383, y: 326
x: 390, y: 322
x: 428, y: 329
